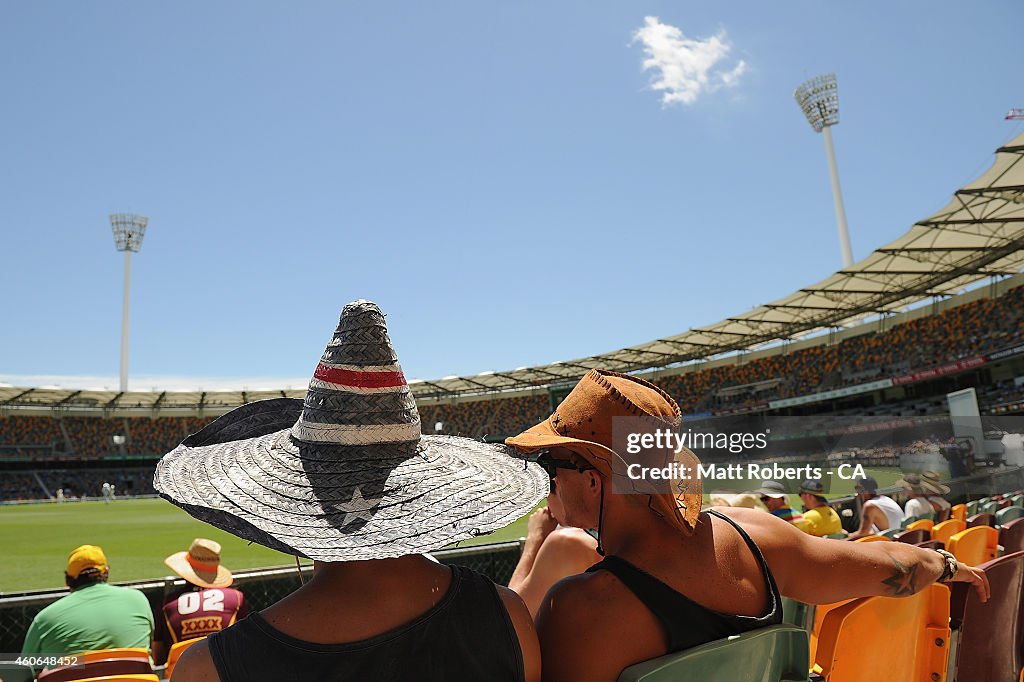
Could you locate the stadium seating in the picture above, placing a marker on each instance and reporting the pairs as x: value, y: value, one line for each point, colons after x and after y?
x: 873, y: 538
x: 1008, y: 514
x: 123, y: 678
x: 912, y: 537
x: 103, y: 654
x: 918, y: 523
x: 98, y: 667
x: 176, y: 651
x: 772, y: 654
x: 990, y: 507
x: 959, y: 511
x: 1011, y: 536
x: 912, y: 631
x: 932, y: 544
x: 945, y: 530
x: 991, y: 634
x: 974, y: 546
x: 981, y: 519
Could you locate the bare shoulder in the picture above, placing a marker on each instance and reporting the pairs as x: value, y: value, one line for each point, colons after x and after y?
x: 196, y: 665
x: 571, y: 544
x: 525, y: 632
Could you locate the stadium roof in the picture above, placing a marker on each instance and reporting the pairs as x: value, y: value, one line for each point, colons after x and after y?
x: 979, y: 234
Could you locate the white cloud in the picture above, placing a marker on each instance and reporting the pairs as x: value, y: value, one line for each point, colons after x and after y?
x: 685, y: 67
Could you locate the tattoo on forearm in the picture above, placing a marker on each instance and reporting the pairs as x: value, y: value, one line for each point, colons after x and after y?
x: 901, y: 582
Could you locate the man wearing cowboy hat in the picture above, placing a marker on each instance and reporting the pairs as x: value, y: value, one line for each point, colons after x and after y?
x: 917, y: 506
x: 207, y: 605
x: 94, y: 615
x: 346, y: 479
x: 819, y: 518
x: 674, y: 576
x: 933, y: 483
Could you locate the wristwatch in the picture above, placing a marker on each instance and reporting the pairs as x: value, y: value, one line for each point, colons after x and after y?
x: 952, y: 566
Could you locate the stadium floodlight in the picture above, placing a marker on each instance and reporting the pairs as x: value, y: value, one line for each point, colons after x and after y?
x: 819, y: 100
x: 129, y: 229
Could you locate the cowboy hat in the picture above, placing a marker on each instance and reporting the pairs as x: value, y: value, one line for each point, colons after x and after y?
x: 930, y: 479
x: 346, y: 474
x: 914, y: 484
x: 200, y: 565
x: 583, y: 423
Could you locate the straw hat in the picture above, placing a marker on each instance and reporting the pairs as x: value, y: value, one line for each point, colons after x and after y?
x: 914, y: 484
x: 930, y: 479
x: 345, y: 475
x: 200, y: 565
x: 583, y: 423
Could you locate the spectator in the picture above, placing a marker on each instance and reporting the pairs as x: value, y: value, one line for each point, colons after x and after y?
x: 207, y: 605
x: 347, y: 479
x: 94, y: 616
x: 819, y: 518
x: 918, y: 506
x: 773, y: 496
x: 940, y: 505
x: 878, y: 512
x: 675, y: 577
x: 551, y: 553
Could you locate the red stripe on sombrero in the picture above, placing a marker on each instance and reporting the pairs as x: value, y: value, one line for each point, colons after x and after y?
x: 348, y: 377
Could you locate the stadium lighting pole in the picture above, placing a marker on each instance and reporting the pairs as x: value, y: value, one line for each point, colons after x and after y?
x: 129, y: 229
x: 819, y: 100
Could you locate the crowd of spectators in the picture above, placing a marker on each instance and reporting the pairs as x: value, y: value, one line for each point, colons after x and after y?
x: 16, y: 486
x: 969, y: 330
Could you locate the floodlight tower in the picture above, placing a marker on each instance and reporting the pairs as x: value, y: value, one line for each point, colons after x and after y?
x: 129, y: 229
x: 819, y: 100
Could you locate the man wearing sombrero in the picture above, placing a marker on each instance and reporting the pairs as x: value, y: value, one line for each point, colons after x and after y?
x: 673, y: 576
x: 345, y: 478
x: 206, y: 605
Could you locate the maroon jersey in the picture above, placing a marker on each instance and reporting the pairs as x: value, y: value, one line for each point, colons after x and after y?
x: 197, y: 613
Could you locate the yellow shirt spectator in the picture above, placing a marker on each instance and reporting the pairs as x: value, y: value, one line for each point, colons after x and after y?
x: 820, y: 521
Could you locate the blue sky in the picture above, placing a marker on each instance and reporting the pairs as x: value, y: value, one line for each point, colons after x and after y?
x: 504, y: 179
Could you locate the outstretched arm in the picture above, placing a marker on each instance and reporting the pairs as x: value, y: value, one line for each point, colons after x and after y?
x: 822, y: 571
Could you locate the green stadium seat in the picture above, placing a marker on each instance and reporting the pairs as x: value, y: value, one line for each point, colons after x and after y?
x: 797, y: 613
x: 1017, y: 500
x: 773, y: 654
x: 1004, y: 516
x: 990, y: 507
x: 972, y: 508
x: 910, y: 635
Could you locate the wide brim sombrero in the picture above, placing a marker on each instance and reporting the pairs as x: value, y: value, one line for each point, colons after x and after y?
x: 345, y: 475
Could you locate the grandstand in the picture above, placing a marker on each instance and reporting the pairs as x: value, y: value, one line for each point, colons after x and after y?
x: 939, y: 309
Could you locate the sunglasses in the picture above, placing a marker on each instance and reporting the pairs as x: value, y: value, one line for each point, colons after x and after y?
x: 552, y: 465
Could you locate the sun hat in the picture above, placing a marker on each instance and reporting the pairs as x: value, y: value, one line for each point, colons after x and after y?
x: 346, y: 474
x: 86, y: 558
x: 583, y: 423
x: 931, y: 480
x: 866, y: 484
x: 772, y: 489
x: 200, y: 565
x: 914, y: 484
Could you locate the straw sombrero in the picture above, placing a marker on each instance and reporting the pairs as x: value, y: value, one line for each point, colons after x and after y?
x: 200, y: 565
x: 346, y: 475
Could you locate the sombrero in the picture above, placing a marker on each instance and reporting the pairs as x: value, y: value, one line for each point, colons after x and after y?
x: 345, y: 474
x: 930, y: 480
x: 200, y: 565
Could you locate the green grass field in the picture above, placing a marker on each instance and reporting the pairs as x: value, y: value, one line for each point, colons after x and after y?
x: 137, y: 534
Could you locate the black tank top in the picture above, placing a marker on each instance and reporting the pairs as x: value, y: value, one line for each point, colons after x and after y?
x: 467, y: 636
x: 687, y: 623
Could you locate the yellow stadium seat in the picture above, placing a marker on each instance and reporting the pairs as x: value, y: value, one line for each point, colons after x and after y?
x: 873, y: 538
x: 974, y: 546
x: 913, y: 632
x: 959, y: 511
x: 101, y: 654
x: 176, y: 651
x: 947, y: 529
x: 921, y: 524
x: 820, y: 611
